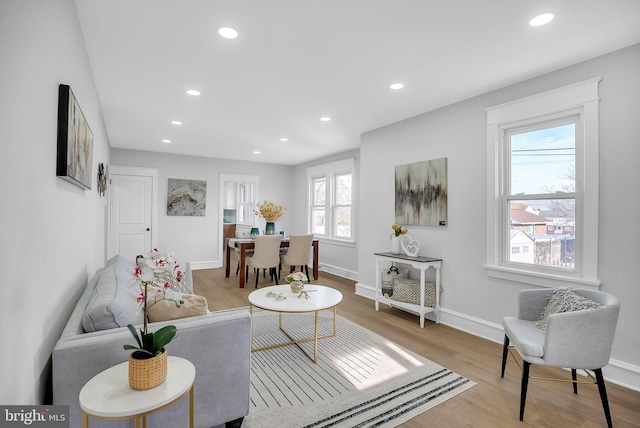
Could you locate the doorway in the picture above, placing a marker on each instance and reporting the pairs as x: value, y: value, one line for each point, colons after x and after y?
x: 238, y: 195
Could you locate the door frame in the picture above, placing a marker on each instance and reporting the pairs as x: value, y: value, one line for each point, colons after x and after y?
x: 143, y: 172
x: 236, y: 178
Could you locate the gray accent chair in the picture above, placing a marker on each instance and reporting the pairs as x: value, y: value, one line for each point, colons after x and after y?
x: 572, y: 340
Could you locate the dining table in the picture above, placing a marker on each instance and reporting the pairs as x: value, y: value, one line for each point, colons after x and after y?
x: 244, y: 244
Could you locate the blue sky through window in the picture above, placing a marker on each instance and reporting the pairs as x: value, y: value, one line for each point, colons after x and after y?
x: 543, y: 161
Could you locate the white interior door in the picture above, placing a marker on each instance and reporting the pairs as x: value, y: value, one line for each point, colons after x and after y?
x: 131, y: 214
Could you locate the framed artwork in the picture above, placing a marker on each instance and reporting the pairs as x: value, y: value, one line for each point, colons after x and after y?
x: 421, y: 193
x: 186, y: 197
x: 75, y: 141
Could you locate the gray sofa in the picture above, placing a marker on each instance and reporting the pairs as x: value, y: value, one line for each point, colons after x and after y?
x: 218, y: 344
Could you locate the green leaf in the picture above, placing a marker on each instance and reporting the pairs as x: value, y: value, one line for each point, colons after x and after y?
x: 148, y: 342
x: 163, y: 336
x: 133, y: 348
x: 134, y: 333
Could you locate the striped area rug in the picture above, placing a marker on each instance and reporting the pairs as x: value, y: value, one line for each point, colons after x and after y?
x: 361, y: 379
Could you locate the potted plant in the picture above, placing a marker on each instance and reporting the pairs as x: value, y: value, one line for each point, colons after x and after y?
x: 270, y: 212
x: 148, y: 361
x: 296, y: 281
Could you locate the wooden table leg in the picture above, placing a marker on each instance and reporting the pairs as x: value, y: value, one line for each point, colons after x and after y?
x: 85, y: 419
x: 315, y: 260
x: 226, y: 269
x: 243, y: 254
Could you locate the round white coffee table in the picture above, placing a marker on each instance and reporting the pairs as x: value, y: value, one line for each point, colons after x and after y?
x: 108, y: 394
x: 320, y: 298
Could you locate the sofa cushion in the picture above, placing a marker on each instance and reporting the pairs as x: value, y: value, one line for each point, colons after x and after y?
x: 113, y: 303
x: 193, y: 305
x: 564, y: 300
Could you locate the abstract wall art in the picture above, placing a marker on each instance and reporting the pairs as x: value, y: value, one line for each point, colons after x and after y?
x: 75, y: 141
x: 186, y: 197
x: 421, y: 193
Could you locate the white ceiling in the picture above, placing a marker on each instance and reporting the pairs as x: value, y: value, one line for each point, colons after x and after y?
x: 297, y: 60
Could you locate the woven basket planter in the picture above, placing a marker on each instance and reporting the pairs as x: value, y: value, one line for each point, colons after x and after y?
x: 147, y: 373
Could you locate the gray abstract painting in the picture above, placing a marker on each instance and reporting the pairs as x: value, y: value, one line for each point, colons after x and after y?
x: 421, y: 193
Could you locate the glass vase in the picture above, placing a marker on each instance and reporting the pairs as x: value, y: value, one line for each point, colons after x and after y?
x: 270, y: 229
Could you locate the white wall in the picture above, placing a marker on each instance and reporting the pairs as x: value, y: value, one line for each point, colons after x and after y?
x: 51, y: 232
x: 196, y: 239
x: 471, y: 300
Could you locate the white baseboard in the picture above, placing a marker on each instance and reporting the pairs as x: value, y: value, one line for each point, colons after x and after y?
x: 205, y: 265
x: 334, y: 270
x: 617, y: 372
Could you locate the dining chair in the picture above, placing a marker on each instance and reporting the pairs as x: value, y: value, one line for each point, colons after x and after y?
x: 242, y: 235
x: 568, y: 328
x: 266, y: 255
x: 298, y: 253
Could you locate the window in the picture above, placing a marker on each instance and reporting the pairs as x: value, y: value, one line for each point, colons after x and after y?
x: 331, y: 200
x: 245, y: 203
x: 542, y: 166
x: 539, y: 185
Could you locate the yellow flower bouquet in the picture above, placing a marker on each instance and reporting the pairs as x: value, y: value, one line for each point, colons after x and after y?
x: 269, y: 211
x: 399, y: 230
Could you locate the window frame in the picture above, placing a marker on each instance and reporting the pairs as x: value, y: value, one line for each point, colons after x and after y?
x: 506, y: 193
x: 579, y: 99
x: 249, y: 204
x: 329, y: 172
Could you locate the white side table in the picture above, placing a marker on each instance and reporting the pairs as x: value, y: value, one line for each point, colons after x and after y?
x: 108, y: 394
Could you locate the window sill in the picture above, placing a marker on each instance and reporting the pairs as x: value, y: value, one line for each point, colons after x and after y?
x: 540, y: 279
x: 339, y: 242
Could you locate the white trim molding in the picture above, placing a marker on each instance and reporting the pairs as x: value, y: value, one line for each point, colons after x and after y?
x: 581, y: 99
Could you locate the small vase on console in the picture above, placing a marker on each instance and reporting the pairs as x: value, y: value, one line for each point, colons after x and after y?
x: 395, y: 244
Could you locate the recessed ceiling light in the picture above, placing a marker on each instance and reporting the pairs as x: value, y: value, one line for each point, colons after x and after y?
x: 193, y: 92
x: 284, y: 139
x: 325, y: 118
x: 396, y: 86
x: 166, y: 141
x: 539, y: 20
x: 256, y: 152
x: 228, y: 33
x: 176, y: 122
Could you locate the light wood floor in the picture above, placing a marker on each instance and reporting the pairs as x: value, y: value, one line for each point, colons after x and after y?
x: 493, y: 402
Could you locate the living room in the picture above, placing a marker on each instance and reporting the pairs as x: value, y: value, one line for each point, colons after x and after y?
x: 54, y: 234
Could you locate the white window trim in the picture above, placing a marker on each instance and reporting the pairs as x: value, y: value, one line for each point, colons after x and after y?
x: 581, y: 96
x: 328, y: 171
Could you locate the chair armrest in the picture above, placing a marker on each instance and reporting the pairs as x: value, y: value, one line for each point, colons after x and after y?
x: 531, y: 303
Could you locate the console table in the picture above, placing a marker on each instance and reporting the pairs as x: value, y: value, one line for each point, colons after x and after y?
x: 420, y: 263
